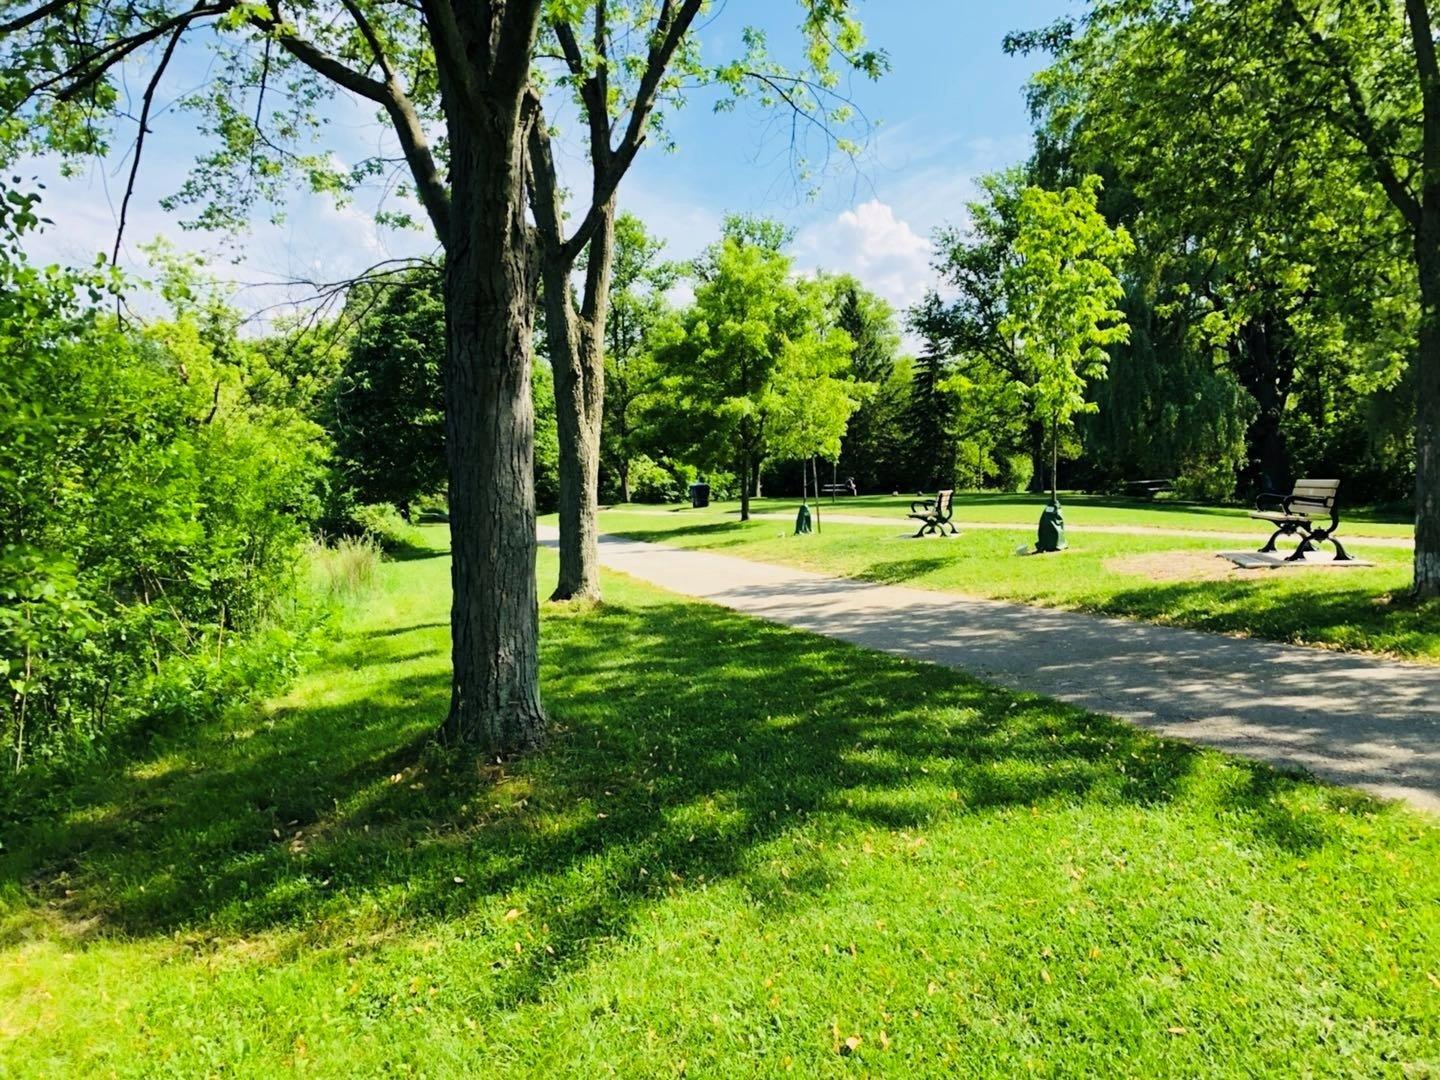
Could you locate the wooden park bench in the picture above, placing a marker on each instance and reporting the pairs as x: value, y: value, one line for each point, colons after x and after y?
x: 1296, y: 513
x: 1148, y: 489
x: 934, y: 514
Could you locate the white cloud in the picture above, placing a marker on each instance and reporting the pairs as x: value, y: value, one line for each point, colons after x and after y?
x: 870, y: 241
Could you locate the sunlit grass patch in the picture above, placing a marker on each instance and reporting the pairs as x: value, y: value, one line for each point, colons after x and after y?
x: 1365, y: 609
x: 745, y: 851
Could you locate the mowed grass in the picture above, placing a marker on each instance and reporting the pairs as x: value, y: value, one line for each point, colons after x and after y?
x: 748, y: 851
x: 1160, y: 578
x: 1021, y: 508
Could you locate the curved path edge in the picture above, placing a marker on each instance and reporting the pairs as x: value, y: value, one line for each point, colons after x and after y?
x: 1366, y: 722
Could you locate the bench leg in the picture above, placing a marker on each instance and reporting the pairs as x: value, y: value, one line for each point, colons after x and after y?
x: 1341, y: 555
x: 1307, y: 544
x: 1270, y: 544
x: 953, y: 531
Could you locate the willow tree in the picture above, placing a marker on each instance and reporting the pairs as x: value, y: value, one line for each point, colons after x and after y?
x: 462, y: 88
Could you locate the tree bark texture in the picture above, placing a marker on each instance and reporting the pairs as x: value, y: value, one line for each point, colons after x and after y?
x: 490, y: 283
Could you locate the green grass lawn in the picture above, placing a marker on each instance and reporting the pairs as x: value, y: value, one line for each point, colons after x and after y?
x: 1160, y: 578
x: 747, y: 851
x: 1080, y: 510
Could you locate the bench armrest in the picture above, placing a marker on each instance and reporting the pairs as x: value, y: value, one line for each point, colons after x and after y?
x: 924, y: 504
x: 1273, y: 498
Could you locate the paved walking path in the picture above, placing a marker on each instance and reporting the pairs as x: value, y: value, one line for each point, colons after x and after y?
x: 898, y: 523
x: 1367, y: 722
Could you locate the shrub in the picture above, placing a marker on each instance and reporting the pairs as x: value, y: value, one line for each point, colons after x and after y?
x: 151, y: 512
x: 383, y: 526
x: 1014, y: 472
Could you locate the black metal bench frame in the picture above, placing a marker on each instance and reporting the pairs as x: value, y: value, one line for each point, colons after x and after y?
x: 935, y: 514
x: 1297, y: 511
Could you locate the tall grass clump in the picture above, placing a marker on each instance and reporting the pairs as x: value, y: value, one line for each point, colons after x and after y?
x: 343, y: 571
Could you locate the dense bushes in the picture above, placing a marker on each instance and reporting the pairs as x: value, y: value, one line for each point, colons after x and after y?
x: 150, y: 510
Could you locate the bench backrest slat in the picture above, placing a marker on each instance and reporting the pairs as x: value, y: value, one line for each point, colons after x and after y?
x: 1314, y: 493
x: 942, y: 501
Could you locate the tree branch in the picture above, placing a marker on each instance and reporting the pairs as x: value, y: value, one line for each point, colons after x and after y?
x: 514, y: 42
x: 670, y: 30
x: 86, y: 72
x: 147, y: 102
x: 371, y: 38
x: 20, y: 22
x: 434, y: 195
x: 449, y: 47
x: 1365, y: 129
x: 1422, y: 35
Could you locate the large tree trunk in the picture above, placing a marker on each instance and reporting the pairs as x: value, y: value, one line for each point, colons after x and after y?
x: 1427, y: 414
x: 489, y: 437
x: 1265, y: 364
x: 577, y: 353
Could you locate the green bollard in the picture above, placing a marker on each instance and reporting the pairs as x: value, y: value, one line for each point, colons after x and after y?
x: 1052, y: 529
x: 802, y: 520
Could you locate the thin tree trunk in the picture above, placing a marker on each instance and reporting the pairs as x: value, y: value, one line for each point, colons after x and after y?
x: 577, y: 353
x: 815, y: 474
x: 744, y: 475
x: 1427, y: 415
x: 489, y: 436
x: 1055, y: 459
x: 577, y: 358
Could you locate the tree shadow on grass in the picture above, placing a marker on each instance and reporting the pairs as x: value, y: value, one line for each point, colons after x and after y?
x: 903, y: 571
x: 1351, y: 614
x: 687, y: 738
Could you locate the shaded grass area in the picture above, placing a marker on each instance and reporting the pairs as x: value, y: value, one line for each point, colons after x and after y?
x: 747, y: 851
x: 1365, y: 609
x: 1080, y: 510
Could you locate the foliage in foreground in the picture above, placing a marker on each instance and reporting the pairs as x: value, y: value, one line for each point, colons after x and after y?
x: 151, y: 509
x: 747, y: 850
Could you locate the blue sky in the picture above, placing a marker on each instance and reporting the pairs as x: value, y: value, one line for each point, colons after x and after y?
x: 951, y: 109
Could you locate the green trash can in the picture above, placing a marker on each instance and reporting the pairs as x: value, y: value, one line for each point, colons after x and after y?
x: 1052, y: 529
x: 802, y: 520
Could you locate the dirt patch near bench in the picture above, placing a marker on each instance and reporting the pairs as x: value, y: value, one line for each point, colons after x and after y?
x: 1174, y: 566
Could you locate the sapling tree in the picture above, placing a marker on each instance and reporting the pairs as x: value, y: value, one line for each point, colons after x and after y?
x: 813, y: 395
x: 462, y: 88
x: 1062, y: 296
x: 725, y: 357
x: 637, y: 304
